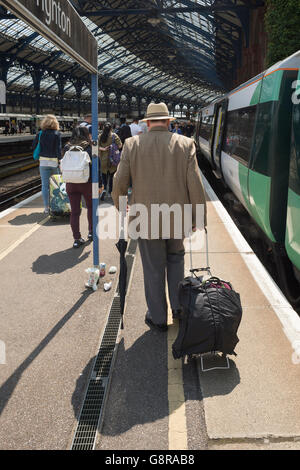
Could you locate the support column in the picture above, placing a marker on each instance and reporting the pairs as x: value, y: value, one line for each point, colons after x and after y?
x: 129, y: 108
x: 4, y: 68
x: 181, y: 108
x: 95, y: 166
x: 139, y: 99
x: 61, y: 82
x: 37, y: 76
x: 78, y: 87
x: 118, y: 99
x: 107, y: 106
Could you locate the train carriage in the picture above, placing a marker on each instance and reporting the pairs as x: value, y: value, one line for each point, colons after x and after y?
x: 292, y: 241
x: 251, y: 139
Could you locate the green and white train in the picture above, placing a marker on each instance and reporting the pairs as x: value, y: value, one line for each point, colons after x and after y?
x: 251, y: 138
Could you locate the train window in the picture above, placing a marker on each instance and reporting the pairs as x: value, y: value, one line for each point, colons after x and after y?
x: 239, y: 133
x: 206, y: 127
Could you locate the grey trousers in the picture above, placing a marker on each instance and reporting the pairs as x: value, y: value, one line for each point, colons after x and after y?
x: 161, y: 257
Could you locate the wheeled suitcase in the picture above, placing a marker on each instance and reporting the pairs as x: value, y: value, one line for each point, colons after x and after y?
x: 59, y: 203
x: 211, y: 315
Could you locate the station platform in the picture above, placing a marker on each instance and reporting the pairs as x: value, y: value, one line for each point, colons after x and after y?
x: 24, y: 137
x: 52, y: 327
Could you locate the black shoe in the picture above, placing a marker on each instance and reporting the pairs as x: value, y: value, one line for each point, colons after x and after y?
x: 90, y: 237
x: 78, y: 243
x: 176, y: 314
x: 150, y: 323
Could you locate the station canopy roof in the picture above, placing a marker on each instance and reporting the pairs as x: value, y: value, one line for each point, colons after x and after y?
x: 185, y: 51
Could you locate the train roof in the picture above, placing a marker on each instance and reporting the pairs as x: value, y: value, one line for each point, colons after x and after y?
x: 290, y: 63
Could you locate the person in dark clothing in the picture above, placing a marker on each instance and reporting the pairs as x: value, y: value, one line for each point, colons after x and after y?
x: 107, y: 168
x: 124, y: 131
x: 87, y: 123
x: 6, y: 128
x: 50, y: 153
x: 189, y: 129
x: 80, y: 138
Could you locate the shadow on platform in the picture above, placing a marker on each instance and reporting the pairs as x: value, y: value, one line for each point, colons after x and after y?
x: 139, y: 390
x: 139, y: 387
x: 8, y: 387
x: 60, y: 261
x: 25, y: 219
x: 219, y: 382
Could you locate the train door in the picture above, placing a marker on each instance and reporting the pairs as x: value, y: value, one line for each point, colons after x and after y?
x: 198, y: 126
x: 197, y: 135
x: 220, y: 118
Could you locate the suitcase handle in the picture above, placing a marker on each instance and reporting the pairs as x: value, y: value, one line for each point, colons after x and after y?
x: 207, y: 269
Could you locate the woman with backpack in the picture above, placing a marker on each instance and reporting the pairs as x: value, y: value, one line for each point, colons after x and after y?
x: 50, y: 153
x: 80, y: 142
x: 109, y: 144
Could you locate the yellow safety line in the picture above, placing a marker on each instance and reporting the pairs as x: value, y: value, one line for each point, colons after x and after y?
x: 177, y: 416
x: 21, y: 239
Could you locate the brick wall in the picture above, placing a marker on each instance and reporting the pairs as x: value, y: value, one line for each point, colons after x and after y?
x: 253, y: 57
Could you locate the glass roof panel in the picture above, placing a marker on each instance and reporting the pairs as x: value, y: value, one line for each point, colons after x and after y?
x: 190, y: 31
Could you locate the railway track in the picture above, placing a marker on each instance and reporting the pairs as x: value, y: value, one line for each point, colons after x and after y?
x: 12, y: 157
x: 16, y: 165
x: 16, y: 160
x: 13, y: 196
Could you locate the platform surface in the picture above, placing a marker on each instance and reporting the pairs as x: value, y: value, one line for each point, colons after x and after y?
x: 52, y: 326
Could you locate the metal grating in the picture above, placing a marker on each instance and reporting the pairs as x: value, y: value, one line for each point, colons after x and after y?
x: 92, y: 408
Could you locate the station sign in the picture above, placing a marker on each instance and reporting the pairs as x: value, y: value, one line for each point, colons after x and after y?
x: 60, y: 23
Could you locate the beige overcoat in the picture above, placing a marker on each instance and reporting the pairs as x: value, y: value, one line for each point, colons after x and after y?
x: 162, y: 168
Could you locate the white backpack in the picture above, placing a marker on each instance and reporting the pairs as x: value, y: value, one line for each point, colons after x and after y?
x: 75, y: 165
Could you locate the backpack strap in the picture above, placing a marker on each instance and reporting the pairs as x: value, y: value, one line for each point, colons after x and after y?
x: 76, y: 147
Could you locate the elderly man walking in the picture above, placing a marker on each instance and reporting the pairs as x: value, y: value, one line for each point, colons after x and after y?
x: 162, y: 169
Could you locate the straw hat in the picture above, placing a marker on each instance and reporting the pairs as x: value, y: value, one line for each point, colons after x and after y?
x: 157, y: 112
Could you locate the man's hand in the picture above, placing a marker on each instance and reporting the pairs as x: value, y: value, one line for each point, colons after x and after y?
x: 101, y: 189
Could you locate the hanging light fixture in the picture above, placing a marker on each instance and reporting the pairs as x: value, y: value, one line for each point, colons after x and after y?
x: 154, y: 21
x: 171, y: 55
x: 153, y: 18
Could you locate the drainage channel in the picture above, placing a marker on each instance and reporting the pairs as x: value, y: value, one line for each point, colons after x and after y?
x: 93, y: 405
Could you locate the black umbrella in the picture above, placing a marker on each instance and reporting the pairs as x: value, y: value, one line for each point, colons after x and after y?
x: 122, y: 247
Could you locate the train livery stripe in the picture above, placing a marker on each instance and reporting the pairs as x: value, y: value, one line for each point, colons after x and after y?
x: 236, y: 177
x: 268, y: 89
x: 260, y: 78
x: 260, y: 191
x: 243, y: 178
x: 231, y: 171
x: 292, y: 241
